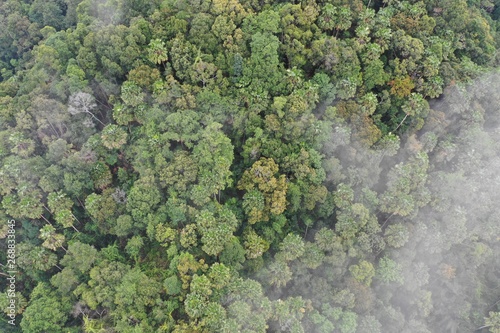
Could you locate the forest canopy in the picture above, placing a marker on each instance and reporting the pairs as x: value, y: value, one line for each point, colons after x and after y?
x: 322, y: 166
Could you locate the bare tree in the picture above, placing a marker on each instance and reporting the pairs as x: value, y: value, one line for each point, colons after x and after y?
x: 82, y: 102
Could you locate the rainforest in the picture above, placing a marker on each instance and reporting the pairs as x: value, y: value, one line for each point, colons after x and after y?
x: 198, y: 166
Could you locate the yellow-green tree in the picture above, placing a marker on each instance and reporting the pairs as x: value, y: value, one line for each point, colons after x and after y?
x: 263, y: 181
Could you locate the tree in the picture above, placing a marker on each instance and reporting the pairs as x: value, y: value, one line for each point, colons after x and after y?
x: 132, y: 96
x: 406, y: 190
x: 183, y: 127
x: 223, y: 27
x: 261, y: 177
x: 278, y: 273
x: 215, y: 317
x: 34, y: 259
x: 288, y: 313
x: 198, y: 298
x: 401, y: 87
x: 219, y: 275
x: 374, y: 74
x: 416, y: 105
x: 136, y: 293
x: 52, y: 240
x: 102, y: 207
x: 80, y: 257
x: 233, y: 254
x: 164, y: 234
x: 113, y: 136
x: 389, y: 271
x: 134, y: 246
x: 396, y: 235
x: 204, y: 72
x: 201, y: 36
x: 263, y: 68
x: 349, y: 322
x: 157, y: 52
x: 292, y: 247
x: 216, y: 230
x: 82, y: 102
x: 172, y: 285
x: 143, y: 197
x: 51, y: 117
x: 214, y: 156
x: 24, y: 203
x: 65, y: 281
x: 188, y: 236
x: 60, y: 205
x: 255, y: 246
x: 20, y: 305
x: 92, y: 326
x: 363, y: 272
x: 46, y: 311
x: 248, y: 309
x: 182, y: 54
x: 101, y: 175
x: 493, y: 322
x: 102, y: 286
x: 179, y: 173
x: 124, y: 226
x: 369, y: 324
x: 338, y: 18
x: 47, y: 13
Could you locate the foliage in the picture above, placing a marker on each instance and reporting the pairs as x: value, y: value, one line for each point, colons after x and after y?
x: 250, y: 166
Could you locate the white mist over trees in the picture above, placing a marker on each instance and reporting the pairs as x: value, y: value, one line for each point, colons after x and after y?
x: 431, y: 263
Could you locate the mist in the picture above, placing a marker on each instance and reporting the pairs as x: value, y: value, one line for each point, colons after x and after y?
x: 431, y: 227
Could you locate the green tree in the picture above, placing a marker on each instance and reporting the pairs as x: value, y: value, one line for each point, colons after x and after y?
x: 182, y: 54
x: 214, y: 156
x: 157, y: 52
x: 493, y: 322
x: 80, y: 257
x: 255, y: 246
x: 363, y: 272
x: 198, y: 298
x: 113, y: 137
x: 389, y: 271
x: 183, y: 127
x: 142, y: 198
x: 233, y: 254
x: 65, y: 281
x: 164, y: 234
x: 124, y: 226
x: 279, y: 274
x: 292, y: 247
x: 134, y: 247
x: 263, y: 68
x: 102, y: 207
x: 51, y: 239
x: 135, y: 294
x: 61, y: 205
x: 26, y: 203
x: 101, y: 289
x: 188, y: 236
x: 216, y: 230
x: 34, y: 259
x: 406, y: 187
x: 46, y: 311
x: 396, y: 235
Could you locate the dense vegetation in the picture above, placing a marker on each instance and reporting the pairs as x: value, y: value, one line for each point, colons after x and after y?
x: 251, y: 166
